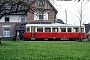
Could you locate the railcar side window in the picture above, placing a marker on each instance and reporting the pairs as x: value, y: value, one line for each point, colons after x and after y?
x: 47, y: 29
x: 76, y: 30
x: 39, y: 29
x: 55, y: 30
x: 82, y: 29
x: 69, y: 30
x: 28, y: 30
x: 63, y: 29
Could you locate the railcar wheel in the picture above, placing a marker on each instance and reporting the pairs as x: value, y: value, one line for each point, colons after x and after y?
x: 27, y: 39
x: 50, y: 39
x: 57, y: 39
x: 71, y: 39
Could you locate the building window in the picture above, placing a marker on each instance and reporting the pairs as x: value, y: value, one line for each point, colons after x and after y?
x: 7, y: 6
x: 7, y: 18
x: 6, y: 32
x: 41, y: 15
x: 40, y: 3
x: 23, y: 18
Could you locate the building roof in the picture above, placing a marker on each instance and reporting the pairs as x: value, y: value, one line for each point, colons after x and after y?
x: 52, y: 6
x: 53, y: 24
x: 59, y: 21
x: 40, y: 22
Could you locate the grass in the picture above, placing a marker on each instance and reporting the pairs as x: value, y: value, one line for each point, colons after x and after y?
x: 30, y: 50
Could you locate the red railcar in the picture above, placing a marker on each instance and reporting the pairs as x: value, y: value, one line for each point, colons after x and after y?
x: 54, y: 31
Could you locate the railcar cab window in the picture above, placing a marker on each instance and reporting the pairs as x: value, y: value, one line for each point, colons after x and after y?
x: 7, y: 18
x: 40, y: 3
x: 76, y: 29
x: 39, y: 29
x: 28, y: 29
x: 62, y: 29
x: 69, y: 30
x: 47, y: 29
x: 55, y: 30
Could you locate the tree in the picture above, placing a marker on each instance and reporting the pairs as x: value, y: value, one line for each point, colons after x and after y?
x: 8, y: 7
x: 17, y: 6
x: 81, y: 15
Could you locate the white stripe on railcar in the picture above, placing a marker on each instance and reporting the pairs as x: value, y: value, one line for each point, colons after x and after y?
x: 54, y: 24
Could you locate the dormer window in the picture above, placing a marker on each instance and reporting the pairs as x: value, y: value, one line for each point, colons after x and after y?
x: 41, y: 15
x: 40, y: 3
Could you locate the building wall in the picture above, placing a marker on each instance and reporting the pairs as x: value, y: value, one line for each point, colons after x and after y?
x: 48, y: 9
x: 13, y: 20
x: 2, y: 19
x: 12, y: 28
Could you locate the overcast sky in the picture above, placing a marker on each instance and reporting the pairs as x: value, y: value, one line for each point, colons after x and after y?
x: 72, y: 8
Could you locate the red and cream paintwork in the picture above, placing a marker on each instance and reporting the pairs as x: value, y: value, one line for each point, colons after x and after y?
x: 70, y: 32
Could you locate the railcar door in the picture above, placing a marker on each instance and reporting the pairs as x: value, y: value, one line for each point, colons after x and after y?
x: 33, y: 34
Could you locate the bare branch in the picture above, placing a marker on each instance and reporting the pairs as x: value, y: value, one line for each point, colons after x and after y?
x: 16, y: 6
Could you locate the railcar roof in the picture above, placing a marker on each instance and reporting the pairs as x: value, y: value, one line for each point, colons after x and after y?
x: 53, y: 24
